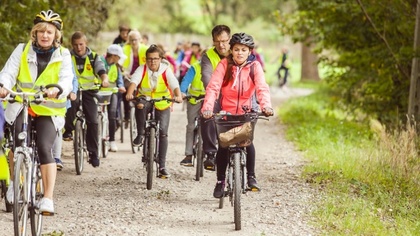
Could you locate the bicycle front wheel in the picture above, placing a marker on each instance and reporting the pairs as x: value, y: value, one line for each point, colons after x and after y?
x: 150, y: 157
x: 78, y: 143
x: 105, y: 138
x: 100, y: 127
x: 199, y: 160
x: 237, y: 190
x: 20, y: 198
x: 133, y: 129
x: 38, y: 191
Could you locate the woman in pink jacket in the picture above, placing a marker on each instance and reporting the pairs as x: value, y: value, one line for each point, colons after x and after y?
x: 235, y: 81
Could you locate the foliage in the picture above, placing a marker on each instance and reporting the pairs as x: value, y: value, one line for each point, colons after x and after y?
x: 16, y: 19
x: 369, y: 177
x: 370, y: 41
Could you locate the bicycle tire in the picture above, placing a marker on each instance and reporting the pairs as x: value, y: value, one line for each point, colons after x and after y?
x: 20, y: 206
x: 105, y: 139
x: 150, y: 157
x: 199, y: 160
x: 221, y: 202
x: 100, y: 125
x: 121, y: 121
x: 78, y: 143
x: 133, y: 129
x: 237, y: 191
x: 9, y: 207
x: 34, y: 214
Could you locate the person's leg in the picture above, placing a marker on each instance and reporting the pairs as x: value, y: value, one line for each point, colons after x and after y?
x: 250, y: 167
x: 69, y: 119
x: 140, y: 115
x: 163, y: 116
x: 46, y: 134
x: 112, y: 117
x: 222, y: 160
x: 90, y: 108
x: 56, y: 150
x: 193, y: 110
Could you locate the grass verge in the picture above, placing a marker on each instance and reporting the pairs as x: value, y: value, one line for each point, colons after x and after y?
x: 368, y: 177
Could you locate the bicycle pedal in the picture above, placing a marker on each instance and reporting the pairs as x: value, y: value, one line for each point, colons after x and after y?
x: 162, y: 177
x: 47, y: 213
x: 253, y: 189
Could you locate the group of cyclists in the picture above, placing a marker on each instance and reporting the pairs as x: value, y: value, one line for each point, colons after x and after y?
x: 227, y: 75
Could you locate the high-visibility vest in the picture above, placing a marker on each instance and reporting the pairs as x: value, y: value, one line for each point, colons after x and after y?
x: 24, y: 83
x: 87, y: 79
x: 161, y: 90
x: 141, y: 52
x: 213, y: 57
x: 112, y: 77
x: 196, y: 87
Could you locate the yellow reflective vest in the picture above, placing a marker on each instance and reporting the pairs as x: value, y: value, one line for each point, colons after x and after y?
x: 161, y: 90
x: 24, y: 83
x: 87, y: 79
x: 141, y: 53
x: 196, y: 87
x: 213, y: 57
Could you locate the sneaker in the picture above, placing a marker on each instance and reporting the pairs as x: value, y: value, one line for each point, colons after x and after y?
x: 219, y: 190
x: 126, y: 123
x: 46, y: 206
x: 209, y: 162
x: 187, y: 161
x: 10, y: 194
x: 163, y: 173
x: 94, y: 161
x: 138, y: 141
x: 252, y: 184
x: 113, y: 146
x: 59, y: 164
x: 67, y: 136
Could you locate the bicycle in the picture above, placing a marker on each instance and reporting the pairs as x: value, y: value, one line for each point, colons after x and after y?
x: 27, y: 180
x: 151, y: 139
x: 235, y: 184
x: 198, y: 152
x: 103, y: 99
x: 133, y: 127
x: 79, y: 141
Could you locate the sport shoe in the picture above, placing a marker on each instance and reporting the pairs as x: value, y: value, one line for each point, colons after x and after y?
x: 163, y: 173
x: 138, y: 141
x: 113, y: 146
x: 252, y: 184
x: 59, y: 164
x: 10, y: 194
x: 209, y: 162
x: 219, y: 190
x: 67, y: 136
x: 46, y: 206
x: 187, y: 161
x: 94, y: 161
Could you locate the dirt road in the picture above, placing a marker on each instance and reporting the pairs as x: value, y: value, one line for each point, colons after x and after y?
x: 113, y: 200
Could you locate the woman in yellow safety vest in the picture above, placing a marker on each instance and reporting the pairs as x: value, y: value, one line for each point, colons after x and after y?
x: 39, y: 62
x: 156, y: 80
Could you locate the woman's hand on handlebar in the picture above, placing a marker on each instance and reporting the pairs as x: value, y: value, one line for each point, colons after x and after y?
x: 268, y: 111
x: 52, y: 92
x: 3, y: 92
x: 178, y: 99
x: 207, y: 114
x: 129, y: 96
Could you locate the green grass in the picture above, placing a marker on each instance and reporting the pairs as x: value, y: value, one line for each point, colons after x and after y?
x: 368, y: 180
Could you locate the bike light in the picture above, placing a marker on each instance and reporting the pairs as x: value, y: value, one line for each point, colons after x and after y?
x: 22, y: 135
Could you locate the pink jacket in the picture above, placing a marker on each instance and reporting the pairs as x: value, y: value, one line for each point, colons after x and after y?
x: 239, y: 91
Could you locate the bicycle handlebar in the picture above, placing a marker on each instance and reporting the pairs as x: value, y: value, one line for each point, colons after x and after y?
x: 153, y: 100
x: 38, y: 96
x: 196, y: 98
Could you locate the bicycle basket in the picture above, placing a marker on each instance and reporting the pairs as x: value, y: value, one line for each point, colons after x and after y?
x: 104, y: 97
x: 235, y: 130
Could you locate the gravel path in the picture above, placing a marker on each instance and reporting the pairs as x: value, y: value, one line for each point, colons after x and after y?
x: 113, y: 200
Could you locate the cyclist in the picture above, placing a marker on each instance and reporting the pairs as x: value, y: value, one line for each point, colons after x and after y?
x: 191, y: 84
x: 232, y: 81
x: 114, y: 55
x: 88, y: 67
x: 209, y: 61
x: 190, y: 57
x: 39, y: 62
x: 121, y: 39
x: 156, y: 80
x: 135, y: 51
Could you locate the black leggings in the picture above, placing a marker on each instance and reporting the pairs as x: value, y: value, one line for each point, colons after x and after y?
x: 46, y: 135
x: 222, y: 161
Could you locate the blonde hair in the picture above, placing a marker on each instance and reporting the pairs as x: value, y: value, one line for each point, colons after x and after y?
x: 43, y: 26
x: 132, y: 34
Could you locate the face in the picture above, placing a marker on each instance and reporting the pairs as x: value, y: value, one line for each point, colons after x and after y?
x: 240, y: 53
x: 153, y: 61
x: 45, y: 37
x: 79, y: 46
x: 195, y: 49
x: 221, y: 43
x: 134, y: 40
x: 124, y: 34
x: 112, y: 59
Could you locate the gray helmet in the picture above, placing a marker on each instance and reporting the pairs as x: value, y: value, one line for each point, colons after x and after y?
x: 242, y: 38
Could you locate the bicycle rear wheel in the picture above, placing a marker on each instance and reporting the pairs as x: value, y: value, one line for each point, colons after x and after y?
x: 9, y: 207
x: 150, y: 157
x: 133, y: 129
x: 121, y: 121
x: 78, y: 143
x: 20, y: 198
x: 100, y: 144
x: 237, y: 191
x: 36, y: 216
x: 199, y: 160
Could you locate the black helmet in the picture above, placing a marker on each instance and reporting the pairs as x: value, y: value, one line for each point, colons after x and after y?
x: 50, y: 17
x: 242, y: 38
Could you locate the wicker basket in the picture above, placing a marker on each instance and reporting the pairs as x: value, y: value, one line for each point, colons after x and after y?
x: 235, y: 130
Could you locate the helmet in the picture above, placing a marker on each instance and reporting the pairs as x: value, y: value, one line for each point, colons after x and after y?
x: 50, y: 17
x: 242, y: 38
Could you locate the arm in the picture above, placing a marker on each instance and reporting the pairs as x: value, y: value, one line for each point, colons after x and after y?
x: 120, y: 82
x: 186, y: 81
x: 66, y: 74
x: 11, y: 70
x: 101, y: 71
x: 135, y: 80
x: 206, y: 70
x: 213, y: 89
x: 173, y: 84
x: 262, y: 89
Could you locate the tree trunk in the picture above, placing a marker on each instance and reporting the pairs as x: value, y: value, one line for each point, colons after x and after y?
x: 309, y: 64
